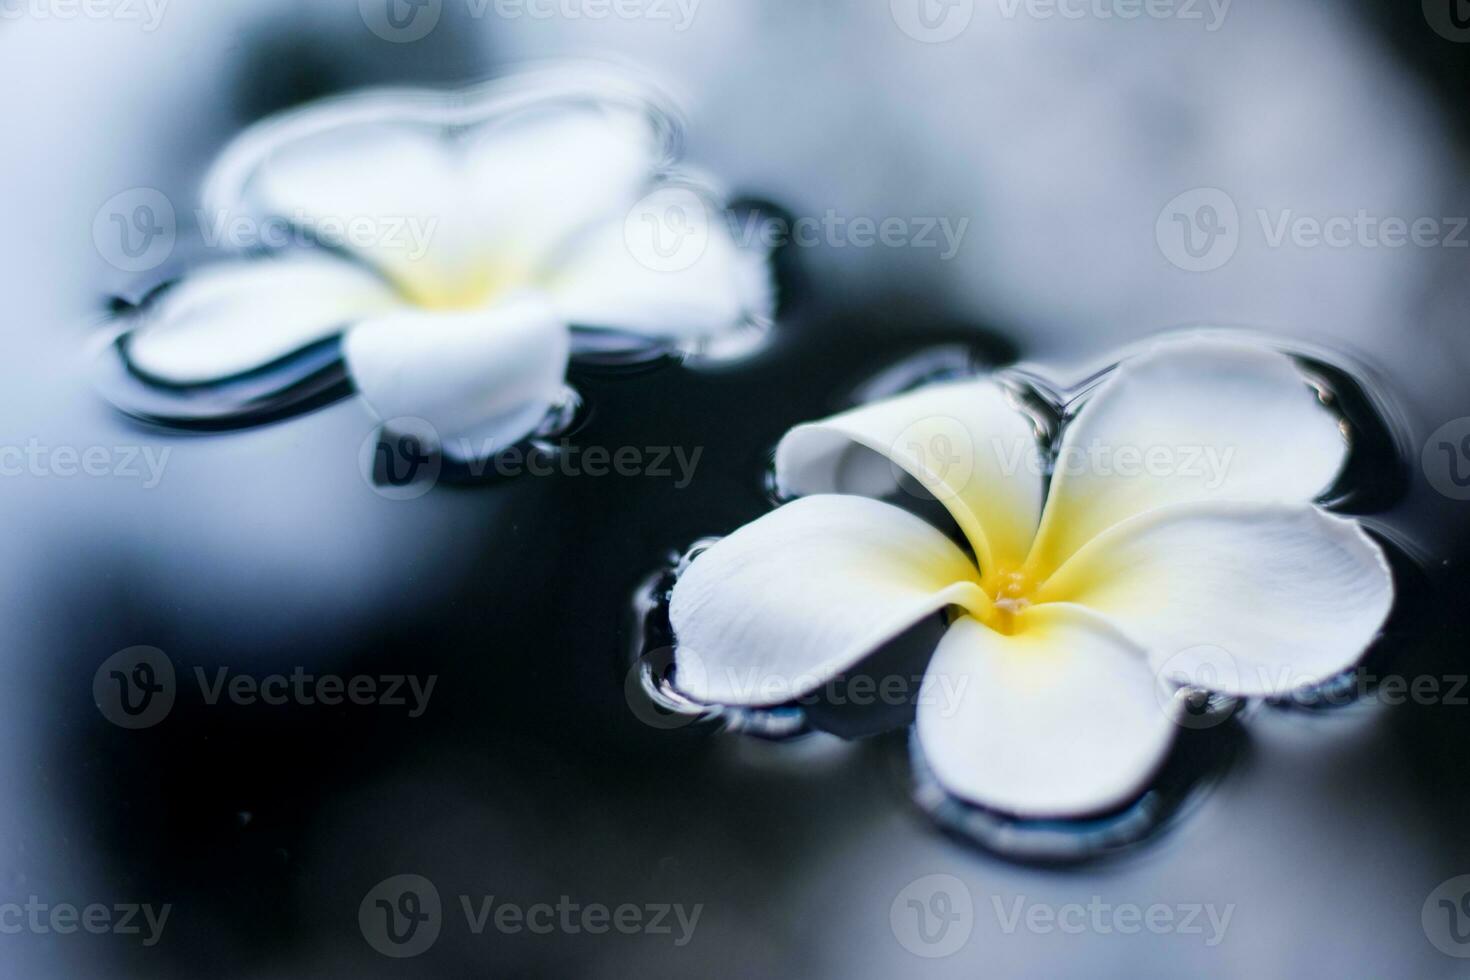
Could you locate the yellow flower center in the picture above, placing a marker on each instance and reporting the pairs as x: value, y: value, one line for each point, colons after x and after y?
x: 1013, y: 591
x: 465, y: 292
x: 469, y: 283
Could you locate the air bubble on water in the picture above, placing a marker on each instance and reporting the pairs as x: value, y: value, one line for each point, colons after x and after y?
x: 622, y: 350
x: 741, y: 342
x: 694, y: 551
x: 1376, y: 475
x: 568, y: 412
x: 656, y: 682
x: 776, y: 724
x: 1040, y: 403
x: 1201, y: 708
x: 619, y: 350
x: 565, y: 414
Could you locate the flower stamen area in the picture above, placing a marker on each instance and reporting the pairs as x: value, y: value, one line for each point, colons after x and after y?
x: 459, y: 292
x: 1012, y: 594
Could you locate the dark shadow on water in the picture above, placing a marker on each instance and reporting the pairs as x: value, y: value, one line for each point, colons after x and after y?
x: 290, y: 64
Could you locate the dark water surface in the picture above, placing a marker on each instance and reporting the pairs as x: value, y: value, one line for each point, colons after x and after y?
x: 529, y: 775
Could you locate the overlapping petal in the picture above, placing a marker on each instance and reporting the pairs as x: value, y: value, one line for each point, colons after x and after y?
x: 451, y: 209
x: 228, y: 319
x: 1270, y: 597
x: 964, y: 442
x: 669, y: 269
x: 790, y: 600
x: 1199, y: 418
x: 484, y: 379
x: 1059, y: 720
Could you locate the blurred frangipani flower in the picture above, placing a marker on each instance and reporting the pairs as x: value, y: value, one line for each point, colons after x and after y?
x: 465, y: 246
x: 1068, y: 603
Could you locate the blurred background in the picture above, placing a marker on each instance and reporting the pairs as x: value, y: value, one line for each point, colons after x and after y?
x: 1066, y: 138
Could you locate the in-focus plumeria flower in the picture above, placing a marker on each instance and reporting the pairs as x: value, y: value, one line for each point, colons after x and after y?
x: 464, y: 247
x: 1070, y: 598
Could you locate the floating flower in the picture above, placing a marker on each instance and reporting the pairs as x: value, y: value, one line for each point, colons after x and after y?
x: 1177, y: 529
x: 463, y: 247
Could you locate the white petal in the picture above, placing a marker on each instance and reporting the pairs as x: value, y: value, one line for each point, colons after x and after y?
x: 538, y: 178
x: 454, y: 209
x: 227, y: 319
x: 640, y: 275
x: 1273, y: 596
x: 964, y: 442
x: 790, y: 600
x: 1057, y: 720
x: 483, y: 379
x: 1222, y: 419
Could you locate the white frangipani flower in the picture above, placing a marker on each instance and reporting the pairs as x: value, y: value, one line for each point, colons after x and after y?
x: 1073, y: 596
x: 464, y: 246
